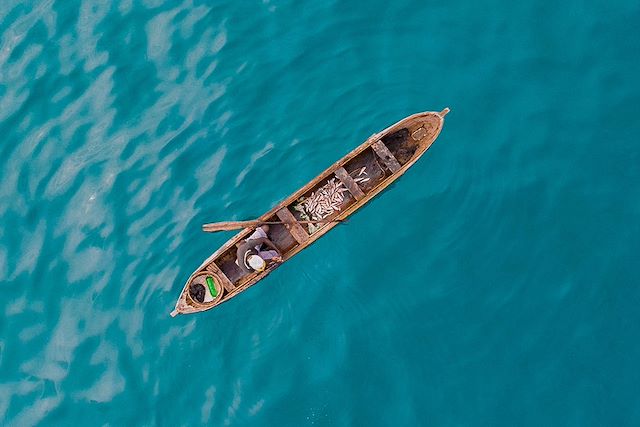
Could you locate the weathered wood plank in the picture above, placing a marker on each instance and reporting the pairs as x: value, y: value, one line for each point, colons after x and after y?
x: 387, y: 157
x: 348, y: 182
x: 292, y: 225
x: 219, y: 274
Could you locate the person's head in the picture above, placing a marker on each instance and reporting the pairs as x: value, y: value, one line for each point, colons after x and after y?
x: 257, y: 263
x: 265, y: 228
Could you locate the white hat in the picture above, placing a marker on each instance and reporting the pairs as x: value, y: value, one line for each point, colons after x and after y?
x: 256, y: 263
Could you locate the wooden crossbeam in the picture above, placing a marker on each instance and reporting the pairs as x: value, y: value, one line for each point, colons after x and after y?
x: 387, y: 157
x: 348, y: 182
x: 218, y: 274
x: 292, y: 225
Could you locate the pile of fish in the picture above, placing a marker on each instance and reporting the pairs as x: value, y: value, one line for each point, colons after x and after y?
x: 325, y: 200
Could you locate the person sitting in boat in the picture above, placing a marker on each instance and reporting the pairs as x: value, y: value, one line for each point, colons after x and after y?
x: 251, y: 257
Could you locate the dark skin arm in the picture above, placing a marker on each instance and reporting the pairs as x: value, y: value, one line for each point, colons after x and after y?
x: 242, y: 248
x: 240, y: 254
x: 263, y: 240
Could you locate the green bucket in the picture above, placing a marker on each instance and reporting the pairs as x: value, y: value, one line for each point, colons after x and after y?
x: 212, y: 286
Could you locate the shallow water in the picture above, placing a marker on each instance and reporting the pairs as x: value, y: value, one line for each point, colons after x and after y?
x: 495, y: 284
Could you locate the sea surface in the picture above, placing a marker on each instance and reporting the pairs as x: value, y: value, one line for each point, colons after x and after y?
x: 496, y: 284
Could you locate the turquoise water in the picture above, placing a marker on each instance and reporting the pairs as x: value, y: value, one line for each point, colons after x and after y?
x: 496, y: 284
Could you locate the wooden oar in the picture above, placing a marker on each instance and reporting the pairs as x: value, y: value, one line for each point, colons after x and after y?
x: 237, y: 225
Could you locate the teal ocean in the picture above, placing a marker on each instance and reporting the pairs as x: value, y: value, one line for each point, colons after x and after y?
x: 497, y: 283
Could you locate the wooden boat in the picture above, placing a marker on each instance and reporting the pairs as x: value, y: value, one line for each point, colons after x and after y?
x: 382, y: 158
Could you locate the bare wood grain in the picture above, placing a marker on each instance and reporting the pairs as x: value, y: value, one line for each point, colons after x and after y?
x: 292, y: 225
x: 352, y: 186
x: 387, y: 157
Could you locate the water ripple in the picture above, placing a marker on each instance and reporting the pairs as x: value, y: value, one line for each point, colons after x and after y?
x: 496, y: 263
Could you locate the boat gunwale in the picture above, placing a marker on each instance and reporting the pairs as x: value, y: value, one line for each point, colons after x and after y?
x: 296, y: 195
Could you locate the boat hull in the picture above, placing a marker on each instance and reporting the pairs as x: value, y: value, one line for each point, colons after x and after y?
x: 393, y: 150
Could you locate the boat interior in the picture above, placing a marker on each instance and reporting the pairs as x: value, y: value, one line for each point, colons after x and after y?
x: 358, y: 176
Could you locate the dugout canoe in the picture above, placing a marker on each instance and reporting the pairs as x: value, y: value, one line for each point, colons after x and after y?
x: 364, y: 172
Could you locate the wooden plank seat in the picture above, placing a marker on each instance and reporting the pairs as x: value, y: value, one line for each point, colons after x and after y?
x: 387, y: 157
x: 348, y: 182
x: 296, y: 230
x: 219, y: 274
